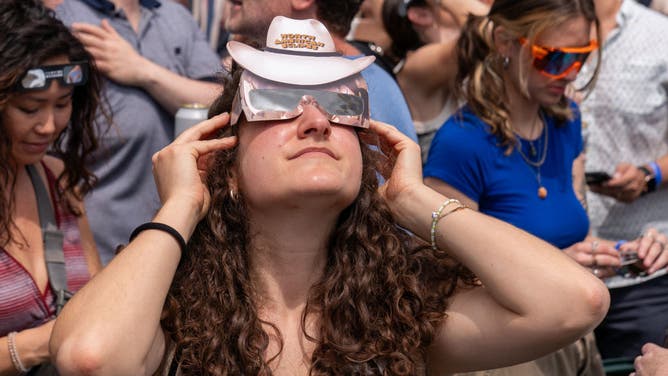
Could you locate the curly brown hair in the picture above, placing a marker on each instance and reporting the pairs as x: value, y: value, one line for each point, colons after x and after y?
x: 480, y: 75
x: 31, y: 34
x: 378, y: 305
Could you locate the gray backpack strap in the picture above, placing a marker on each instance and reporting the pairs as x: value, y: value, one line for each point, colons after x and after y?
x: 53, y: 240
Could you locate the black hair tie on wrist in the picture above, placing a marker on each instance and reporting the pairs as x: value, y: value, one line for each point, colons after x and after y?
x: 162, y: 227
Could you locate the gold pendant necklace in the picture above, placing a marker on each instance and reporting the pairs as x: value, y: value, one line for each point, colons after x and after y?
x: 535, y: 166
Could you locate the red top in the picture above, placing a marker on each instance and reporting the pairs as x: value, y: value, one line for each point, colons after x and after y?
x: 22, y: 306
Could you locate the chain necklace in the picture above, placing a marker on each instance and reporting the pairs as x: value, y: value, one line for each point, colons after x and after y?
x: 535, y: 165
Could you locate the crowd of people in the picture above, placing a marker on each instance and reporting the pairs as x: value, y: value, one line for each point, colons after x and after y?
x: 391, y: 187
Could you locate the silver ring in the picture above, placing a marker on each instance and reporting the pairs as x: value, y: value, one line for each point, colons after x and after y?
x: 594, y: 245
x: 596, y: 271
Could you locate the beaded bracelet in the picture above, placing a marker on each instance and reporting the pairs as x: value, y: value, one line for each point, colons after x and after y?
x: 436, y: 216
x: 162, y: 227
x: 14, y: 353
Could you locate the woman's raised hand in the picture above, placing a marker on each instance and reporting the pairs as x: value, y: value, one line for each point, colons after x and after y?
x: 404, y: 165
x: 180, y: 168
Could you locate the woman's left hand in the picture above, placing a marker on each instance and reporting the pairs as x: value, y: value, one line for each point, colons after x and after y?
x: 404, y: 164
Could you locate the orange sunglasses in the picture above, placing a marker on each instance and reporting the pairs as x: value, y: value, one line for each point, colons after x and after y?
x: 558, y: 62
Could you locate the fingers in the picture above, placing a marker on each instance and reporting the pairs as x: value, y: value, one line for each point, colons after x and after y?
x: 202, y: 130
x: 648, y: 347
x: 387, y: 132
x: 653, y: 250
x: 106, y: 26
x: 204, y: 147
x: 89, y: 39
x: 89, y: 29
x: 594, y: 253
x: 626, y: 185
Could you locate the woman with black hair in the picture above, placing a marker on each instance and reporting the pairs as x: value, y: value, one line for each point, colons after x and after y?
x: 48, y: 101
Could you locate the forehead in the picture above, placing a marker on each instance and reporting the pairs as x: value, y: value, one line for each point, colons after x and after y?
x: 573, y: 32
x: 57, y: 60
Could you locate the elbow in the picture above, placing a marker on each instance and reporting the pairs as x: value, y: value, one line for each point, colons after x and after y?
x: 87, y: 356
x: 593, y: 301
x: 78, y: 357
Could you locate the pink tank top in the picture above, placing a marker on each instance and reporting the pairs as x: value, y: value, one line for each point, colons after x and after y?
x: 22, y: 306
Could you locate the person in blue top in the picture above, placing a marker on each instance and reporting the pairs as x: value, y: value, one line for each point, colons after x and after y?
x: 514, y: 151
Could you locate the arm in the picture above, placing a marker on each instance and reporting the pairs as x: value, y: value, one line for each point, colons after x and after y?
x: 660, y: 6
x: 515, y: 316
x: 597, y: 254
x: 431, y: 67
x: 449, y: 191
x: 579, y: 183
x: 112, y: 325
x: 120, y: 62
x: 460, y: 9
x: 32, y: 346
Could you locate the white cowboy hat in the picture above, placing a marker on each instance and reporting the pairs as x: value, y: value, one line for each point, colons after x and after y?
x: 298, y: 52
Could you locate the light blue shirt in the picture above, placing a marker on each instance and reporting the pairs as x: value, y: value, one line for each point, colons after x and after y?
x: 386, y: 101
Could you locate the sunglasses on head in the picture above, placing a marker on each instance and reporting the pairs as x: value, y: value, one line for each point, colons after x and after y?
x: 39, y: 78
x: 344, y: 102
x: 558, y: 62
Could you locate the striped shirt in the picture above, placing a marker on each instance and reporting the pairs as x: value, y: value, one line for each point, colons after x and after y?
x: 22, y: 305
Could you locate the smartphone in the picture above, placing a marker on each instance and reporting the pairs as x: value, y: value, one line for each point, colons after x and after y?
x: 596, y: 177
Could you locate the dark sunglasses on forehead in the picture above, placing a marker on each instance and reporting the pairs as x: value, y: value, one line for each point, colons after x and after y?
x: 39, y: 78
x: 558, y: 62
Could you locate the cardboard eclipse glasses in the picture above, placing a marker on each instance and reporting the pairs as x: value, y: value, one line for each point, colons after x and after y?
x: 343, y: 102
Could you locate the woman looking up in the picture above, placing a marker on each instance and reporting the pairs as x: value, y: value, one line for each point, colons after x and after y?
x: 298, y: 263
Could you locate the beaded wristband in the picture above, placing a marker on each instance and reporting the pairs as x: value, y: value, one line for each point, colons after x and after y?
x: 14, y: 353
x: 436, y: 216
x: 162, y: 227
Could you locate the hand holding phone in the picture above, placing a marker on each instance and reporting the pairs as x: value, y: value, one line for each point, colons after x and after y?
x: 596, y: 177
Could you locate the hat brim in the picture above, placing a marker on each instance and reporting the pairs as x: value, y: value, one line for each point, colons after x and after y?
x: 296, y: 69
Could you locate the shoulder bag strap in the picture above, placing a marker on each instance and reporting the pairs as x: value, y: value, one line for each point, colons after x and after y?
x: 53, y: 240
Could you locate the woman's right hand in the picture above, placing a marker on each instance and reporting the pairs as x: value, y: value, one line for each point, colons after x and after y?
x: 181, y: 167
x: 32, y: 346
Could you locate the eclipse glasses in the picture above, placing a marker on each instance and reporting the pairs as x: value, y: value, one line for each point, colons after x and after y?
x: 72, y: 74
x: 344, y: 102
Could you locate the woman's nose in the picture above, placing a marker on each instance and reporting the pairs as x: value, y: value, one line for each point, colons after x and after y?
x: 313, y: 122
x: 47, y: 124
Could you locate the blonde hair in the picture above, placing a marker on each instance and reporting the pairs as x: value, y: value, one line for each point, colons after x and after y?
x: 480, y: 78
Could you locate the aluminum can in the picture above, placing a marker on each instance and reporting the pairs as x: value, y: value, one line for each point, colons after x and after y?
x: 189, y: 115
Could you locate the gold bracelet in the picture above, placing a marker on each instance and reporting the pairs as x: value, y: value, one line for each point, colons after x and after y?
x: 14, y: 353
x: 436, y: 216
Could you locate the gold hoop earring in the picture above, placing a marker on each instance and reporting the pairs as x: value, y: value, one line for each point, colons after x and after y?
x: 233, y: 195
